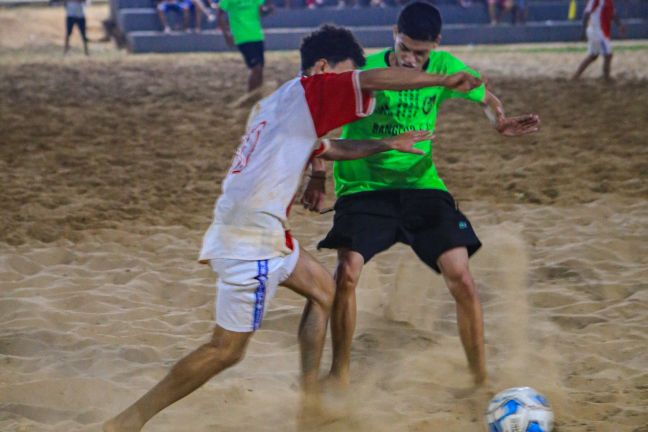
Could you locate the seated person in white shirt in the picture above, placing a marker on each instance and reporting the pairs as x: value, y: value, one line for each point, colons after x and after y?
x: 249, y: 243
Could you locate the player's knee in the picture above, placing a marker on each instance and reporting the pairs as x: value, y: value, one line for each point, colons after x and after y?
x: 324, y: 288
x: 462, y: 287
x: 347, y: 276
x: 327, y: 293
x: 346, y: 282
x: 224, y: 351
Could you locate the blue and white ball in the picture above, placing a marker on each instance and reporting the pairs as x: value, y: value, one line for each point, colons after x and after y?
x: 519, y: 409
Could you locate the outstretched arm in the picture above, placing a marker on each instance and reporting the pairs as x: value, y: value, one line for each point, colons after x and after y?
x: 344, y: 149
x: 407, y: 79
x: 509, y: 126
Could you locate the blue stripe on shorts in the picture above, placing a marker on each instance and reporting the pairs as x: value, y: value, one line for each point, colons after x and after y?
x: 262, y: 278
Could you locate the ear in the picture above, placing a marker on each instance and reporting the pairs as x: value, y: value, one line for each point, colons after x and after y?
x: 394, y: 32
x: 320, y: 66
x: 437, y: 41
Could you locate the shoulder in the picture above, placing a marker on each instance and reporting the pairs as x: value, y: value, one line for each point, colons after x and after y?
x: 442, y: 62
x: 327, y: 80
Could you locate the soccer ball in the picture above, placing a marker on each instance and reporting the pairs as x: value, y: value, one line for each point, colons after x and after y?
x: 519, y: 409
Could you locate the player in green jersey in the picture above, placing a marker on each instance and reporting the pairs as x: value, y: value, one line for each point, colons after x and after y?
x: 390, y: 198
x: 243, y: 29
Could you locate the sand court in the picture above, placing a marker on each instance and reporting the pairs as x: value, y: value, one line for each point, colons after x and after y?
x: 109, y: 169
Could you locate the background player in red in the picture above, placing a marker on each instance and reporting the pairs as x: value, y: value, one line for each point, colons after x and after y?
x: 597, y: 23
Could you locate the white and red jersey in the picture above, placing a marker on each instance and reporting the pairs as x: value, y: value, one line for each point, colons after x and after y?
x: 601, y: 14
x: 251, y: 215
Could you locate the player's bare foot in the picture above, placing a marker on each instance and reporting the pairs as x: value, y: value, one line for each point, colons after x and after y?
x: 480, y: 378
x: 122, y: 423
x: 479, y: 391
x: 335, y: 384
x: 313, y: 415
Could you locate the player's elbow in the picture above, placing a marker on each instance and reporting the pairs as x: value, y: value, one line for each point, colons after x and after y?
x: 338, y: 154
x: 369, y: 82
x: 329, y: 156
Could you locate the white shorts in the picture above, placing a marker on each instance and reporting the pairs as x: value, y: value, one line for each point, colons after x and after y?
x: 245, y: 287
x: 598, y: 43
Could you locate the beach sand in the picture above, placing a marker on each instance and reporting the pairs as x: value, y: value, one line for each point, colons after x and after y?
x: 109, y: 169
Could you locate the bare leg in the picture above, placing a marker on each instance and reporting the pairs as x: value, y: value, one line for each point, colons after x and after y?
x: 454, y: 267
x: 185, y: 19
x: 506, y: 8
x: 492, y: 13
x: 164, y: 21
x: 198, y: 12
x: 255, y: 79
x: 225, y: 349
x: 584, y: 65
x: 68, y: 31
x: 607, y: 67
x: 343, y: 316
x: 311, y: 280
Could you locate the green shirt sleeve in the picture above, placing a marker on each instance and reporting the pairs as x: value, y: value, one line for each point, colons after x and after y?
x: 454, y: 65
x: 224, y: 4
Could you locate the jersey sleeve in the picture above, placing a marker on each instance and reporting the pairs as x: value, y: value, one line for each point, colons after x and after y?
x: 336, y: 99
x: 224, y: 5
x: 454, y: 65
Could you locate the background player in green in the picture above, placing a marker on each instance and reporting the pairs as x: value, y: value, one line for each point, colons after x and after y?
x: 390, y: 198
x: 244, y: 30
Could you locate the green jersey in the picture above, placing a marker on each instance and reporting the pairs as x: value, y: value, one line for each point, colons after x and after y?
x: 244, y: 19
x: 397, y: 112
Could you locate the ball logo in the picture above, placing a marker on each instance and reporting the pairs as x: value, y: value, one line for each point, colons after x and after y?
x: 247, y: 146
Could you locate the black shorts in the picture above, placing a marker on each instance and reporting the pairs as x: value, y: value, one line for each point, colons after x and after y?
x: 428, y: 220
x: 252, y: 53
x: 80, y: 23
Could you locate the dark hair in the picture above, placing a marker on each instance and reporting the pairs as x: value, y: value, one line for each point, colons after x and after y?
x: 332, y: 43
x: 420, y: 20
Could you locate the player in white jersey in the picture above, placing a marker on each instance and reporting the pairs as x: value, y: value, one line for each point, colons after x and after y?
x: 249, y: 244
x: 597, y: 24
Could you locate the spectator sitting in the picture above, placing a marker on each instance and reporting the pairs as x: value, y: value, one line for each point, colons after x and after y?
x: 186, y: 7
x: 204, y: 7
x: 520, y: 12
x: 183, y: 6
x: 504, y: 7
